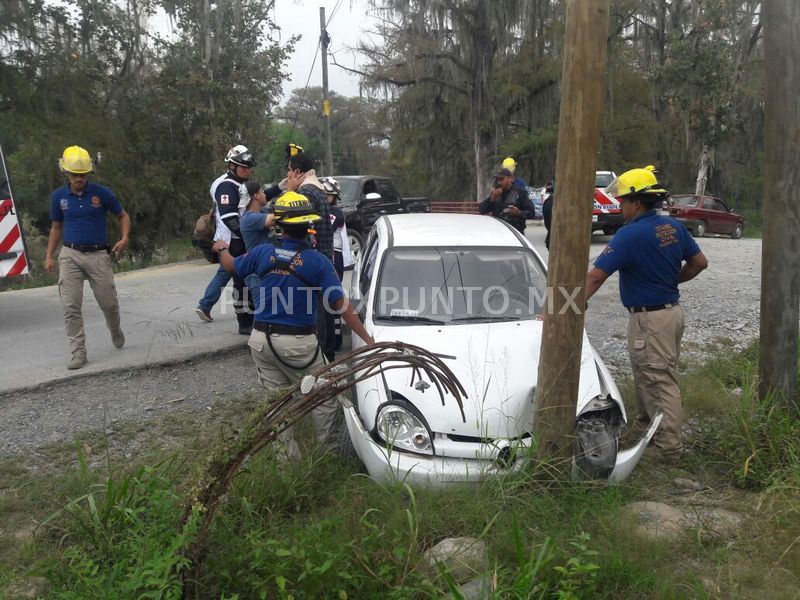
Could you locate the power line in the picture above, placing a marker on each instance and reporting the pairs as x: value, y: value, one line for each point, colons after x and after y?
x: 333, y: 12
x: 305, y: 89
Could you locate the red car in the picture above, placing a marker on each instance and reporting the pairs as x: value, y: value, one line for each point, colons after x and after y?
x: 705, y: 214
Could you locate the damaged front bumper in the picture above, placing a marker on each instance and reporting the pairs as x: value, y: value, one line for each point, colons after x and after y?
x: 628, y: 459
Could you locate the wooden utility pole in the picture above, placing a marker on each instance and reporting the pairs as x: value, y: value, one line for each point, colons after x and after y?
x: 324, y: 42
x: 582, y: 94
x: 780, y: 261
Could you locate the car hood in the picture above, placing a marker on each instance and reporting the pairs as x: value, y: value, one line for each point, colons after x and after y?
x: 496, y: 363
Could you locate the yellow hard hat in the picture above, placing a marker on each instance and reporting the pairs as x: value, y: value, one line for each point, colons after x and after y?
x: 292, y: 208
x: 635, y: 181
x: 510, y: 164
x: 75, y: 160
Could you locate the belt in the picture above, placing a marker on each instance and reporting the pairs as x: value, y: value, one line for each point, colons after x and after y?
x: 87, y: 247
x: 270, y: 328
x: 654, y: 308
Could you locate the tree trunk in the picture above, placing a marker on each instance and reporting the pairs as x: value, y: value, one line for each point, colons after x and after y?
x: 780, y: 262
x: 578, y: 142
x: 702, y: 173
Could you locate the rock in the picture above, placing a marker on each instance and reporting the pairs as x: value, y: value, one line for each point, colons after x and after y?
x: 719, y: 522
x: 475, y: 589
x: 27, y: 587
x: 462, y: 557
x: 656, y: 520
x: 738, y: 326
x: 737, y: 393
x: 687, y: 484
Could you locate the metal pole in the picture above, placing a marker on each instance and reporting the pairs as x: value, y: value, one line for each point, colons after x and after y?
x: 324, y: 41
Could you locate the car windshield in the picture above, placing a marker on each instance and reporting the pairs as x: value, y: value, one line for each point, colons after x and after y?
x: 457, y: 285
x: 684, y: 201
x: 348, y: 192
x: 601, y: 180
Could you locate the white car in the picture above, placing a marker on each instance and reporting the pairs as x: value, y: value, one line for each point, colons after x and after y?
x: 469, y: 288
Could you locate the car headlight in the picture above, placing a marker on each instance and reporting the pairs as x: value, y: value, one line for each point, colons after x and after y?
x: 403, y: 430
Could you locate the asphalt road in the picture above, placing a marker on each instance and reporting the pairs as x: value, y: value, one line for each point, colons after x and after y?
x: 161, y: 326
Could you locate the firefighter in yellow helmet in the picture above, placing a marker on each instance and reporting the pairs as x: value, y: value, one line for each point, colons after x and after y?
x: 653, y: 254
x: 291, y: 279
x: 78, y: 215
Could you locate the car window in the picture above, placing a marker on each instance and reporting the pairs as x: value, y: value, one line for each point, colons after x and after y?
x: 709, y: 204
x: 386, y: 190
x: 602, y: 180
x: 369, y: 187
x: 684, y: 201
x: 349, y: 195
x: 453, y: 285
x: 368, y: 266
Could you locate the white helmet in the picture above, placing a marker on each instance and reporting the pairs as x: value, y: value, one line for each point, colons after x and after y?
x: 331, y: 186
x: 240, y: 155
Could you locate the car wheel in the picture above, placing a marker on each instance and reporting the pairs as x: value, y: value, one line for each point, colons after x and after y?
x: 356, y: 243
x: 737, y: 231
x: 700, y: 229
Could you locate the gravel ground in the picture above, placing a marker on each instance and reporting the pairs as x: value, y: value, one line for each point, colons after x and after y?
x: 722, y: 312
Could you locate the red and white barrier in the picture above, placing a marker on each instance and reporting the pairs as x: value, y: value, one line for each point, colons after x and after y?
x: 12, y: 247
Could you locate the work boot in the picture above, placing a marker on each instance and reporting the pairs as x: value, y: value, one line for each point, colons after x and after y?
x: 204, y: 315
x: 118, y: 338
x: 78, y: 361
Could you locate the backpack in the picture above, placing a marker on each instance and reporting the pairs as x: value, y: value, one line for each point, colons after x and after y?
x: 203, y: 237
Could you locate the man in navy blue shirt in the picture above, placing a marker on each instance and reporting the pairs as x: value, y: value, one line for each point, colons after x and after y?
x: 508, y: 202
x: 292, y: 280
x: 653, y: 254
x: 78, y: 214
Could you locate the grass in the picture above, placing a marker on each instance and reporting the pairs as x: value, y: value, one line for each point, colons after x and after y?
x: 322, y: 529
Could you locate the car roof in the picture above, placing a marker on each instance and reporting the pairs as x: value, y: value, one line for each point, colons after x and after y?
x: 448, y: 229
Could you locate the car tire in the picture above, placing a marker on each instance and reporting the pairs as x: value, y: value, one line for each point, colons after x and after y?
x: 737, y: 231
x: 344, y: 448
x: 356, y: 242
x: 699, y: 230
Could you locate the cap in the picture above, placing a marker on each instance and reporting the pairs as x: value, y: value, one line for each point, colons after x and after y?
x: 504, y: 173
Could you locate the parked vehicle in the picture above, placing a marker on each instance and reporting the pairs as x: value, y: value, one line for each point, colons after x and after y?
x: 471, y: 290
x: 365, y: 198
x: 705, y: 214
x: 537, y: 196
x: 606, y: 210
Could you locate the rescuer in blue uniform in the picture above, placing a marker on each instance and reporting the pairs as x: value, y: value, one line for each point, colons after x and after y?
x: 292, y: 278
x: 653, y: 254
x: 78, y: 213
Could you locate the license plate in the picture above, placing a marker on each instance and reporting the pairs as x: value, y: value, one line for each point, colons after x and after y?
x: 594, y: 218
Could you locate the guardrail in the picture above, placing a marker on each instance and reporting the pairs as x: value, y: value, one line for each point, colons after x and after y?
x: 470, y: 208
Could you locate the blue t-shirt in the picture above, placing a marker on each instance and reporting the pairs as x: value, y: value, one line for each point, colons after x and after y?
x: 281, y: 298
x: 84, y: 216
x: 648, y: 253
x: 252, y: 224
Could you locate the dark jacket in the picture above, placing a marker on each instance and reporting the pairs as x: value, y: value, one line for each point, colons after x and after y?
x: 513, y: 196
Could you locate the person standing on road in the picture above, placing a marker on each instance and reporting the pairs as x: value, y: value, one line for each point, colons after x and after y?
x: 508, y: 202
x: 283, y: 343
x: 510, y: 164
x: 653, y: 254
x: 342, y: 259
x: 547, y: 212
x: 256, y: 224
x: 226, y: 196
x: 78, y: 215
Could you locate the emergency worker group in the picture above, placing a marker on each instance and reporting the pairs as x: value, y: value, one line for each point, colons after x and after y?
x: 285, y: 248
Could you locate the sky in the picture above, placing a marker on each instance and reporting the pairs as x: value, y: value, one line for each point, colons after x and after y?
x: 347, y: 27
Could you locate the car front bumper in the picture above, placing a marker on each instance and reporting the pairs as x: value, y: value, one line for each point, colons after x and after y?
x: 386, y: 464
x: 607, y: 221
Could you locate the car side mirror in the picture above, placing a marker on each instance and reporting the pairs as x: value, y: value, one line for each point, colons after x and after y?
x: 373, y: 196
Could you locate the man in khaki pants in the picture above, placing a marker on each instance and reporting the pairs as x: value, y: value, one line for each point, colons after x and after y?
x: 290, y: 281
x: 78, y: 214
x: 649, y: 253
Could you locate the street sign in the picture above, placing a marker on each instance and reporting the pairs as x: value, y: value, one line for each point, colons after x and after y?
x: 12, y: 246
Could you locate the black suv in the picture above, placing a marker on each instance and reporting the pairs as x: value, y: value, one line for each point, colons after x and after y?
x: 365, y: 198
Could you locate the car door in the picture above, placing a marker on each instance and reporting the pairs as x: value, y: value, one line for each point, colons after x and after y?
x: 707, y: 212
x: 372, y: 208
x: 726, y: 219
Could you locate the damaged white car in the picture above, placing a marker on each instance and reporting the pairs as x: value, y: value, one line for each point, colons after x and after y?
x: 472, y: 290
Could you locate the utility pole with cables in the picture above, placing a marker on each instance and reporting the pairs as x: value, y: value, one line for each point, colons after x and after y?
x: 324, y: 42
